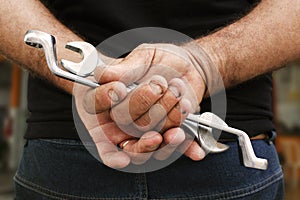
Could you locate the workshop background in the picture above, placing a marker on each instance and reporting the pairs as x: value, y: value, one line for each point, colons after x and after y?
x: 13, y: 112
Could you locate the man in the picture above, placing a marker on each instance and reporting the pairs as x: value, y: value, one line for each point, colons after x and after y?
x: 249, y: 43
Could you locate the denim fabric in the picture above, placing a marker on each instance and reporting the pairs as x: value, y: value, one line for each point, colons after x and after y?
x: 63, y: 169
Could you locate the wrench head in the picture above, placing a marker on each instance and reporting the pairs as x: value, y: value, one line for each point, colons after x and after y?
x: 46, y: 41
x: 38, y: 39
x: 89, y: 62
x: 208, y: 142
x: 204, y: 136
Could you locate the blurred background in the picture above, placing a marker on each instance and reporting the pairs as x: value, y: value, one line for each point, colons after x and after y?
x: 13, y: 114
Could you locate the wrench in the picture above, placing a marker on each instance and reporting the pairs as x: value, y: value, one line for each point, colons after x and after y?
x: 39, y: 39
x: 199, y: 125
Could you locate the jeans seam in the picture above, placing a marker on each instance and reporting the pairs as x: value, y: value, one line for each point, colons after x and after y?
x: 258, y: 187
x: 228, y: 194
x: 53, y: 141
x: 60, y: 196
x: 30, y: 186
x: 140, y: 181
x: 144, y: 189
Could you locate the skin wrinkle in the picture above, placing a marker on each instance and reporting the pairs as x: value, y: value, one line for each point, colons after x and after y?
x: 149, y: 63
x: 185, y: 68
x: 175, y: 116
x: 146, y: 120
x: 144, y: 101
x: 167, y: 102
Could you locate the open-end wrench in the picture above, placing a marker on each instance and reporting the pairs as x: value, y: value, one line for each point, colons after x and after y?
x: 199, y: 125
x: 46, y: 41
x: 90, y: 59
x: 249, y: 158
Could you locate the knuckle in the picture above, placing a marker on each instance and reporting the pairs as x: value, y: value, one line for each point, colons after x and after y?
x: 175, y: 117
x: 141, y: 101
x: 144, y: 123
x: 120, y: 117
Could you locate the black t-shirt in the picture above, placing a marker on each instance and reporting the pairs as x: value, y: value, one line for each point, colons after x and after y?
x: 249, y: 105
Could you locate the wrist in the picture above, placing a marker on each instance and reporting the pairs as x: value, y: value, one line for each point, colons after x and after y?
x: 207, y: 63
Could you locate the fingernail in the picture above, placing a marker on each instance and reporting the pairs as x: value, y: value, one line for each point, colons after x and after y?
x: 113, y: 95
x: 156, y: 88
x: 175, y: 91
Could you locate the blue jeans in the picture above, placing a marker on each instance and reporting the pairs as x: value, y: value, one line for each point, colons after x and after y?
x: 63, y: 169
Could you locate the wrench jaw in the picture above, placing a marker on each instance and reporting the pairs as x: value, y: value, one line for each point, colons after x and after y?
x: 208, y: 142
x: 249, y: 158
x: 33, y: 44
x: 39, y: 39
x: 89, y: 62
x: 33, y: 38
x: 46, y: 41
x: 204, y: 137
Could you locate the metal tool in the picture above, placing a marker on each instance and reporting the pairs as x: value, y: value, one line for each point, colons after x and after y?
x: 199, y: 125
x: 89, y: 61
x: 46, y: 41
x: 213, y: 121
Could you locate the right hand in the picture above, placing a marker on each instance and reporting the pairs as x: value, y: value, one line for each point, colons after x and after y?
x: 107, y: 135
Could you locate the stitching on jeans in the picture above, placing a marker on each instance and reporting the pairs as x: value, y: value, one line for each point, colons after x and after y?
x: 38, y: 189
x: 33, y: 189
x: 146, y: 185
x: 261, y: 185
x: 220, y: 196
x: 143, y: 186
x: 53, y: 141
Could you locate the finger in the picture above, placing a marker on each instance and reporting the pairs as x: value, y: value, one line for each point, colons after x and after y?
x: 129, y: 70
x: 104, y: 97
x: 108, y: 132
x: 195, y: 152
x: 176, y: 116
x: 159, y: 111
x: 110, y: 155
x: 141, y: 150
x: 139, y: 101
x: 191, y: 149
x: 106, y: 138
x: 172, y: 139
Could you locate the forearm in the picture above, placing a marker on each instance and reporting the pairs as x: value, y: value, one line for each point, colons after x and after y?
x: 19, y: 16
x: 262, y: 41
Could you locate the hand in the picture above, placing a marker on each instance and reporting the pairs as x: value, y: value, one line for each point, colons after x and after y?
x: 173, y: 63
x: 167, y: 60
x: 108, y: 136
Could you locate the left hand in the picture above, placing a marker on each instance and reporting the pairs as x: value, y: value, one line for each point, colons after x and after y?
x: 167, y: 60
